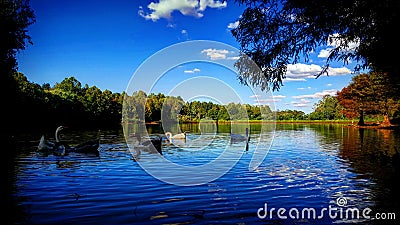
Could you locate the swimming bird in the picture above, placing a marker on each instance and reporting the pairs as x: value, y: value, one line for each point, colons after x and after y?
x: 45, y: 145
x: 239, y: 138
x: 88, y: 147
x: 150, y: 144
x: 62, y: 148
x: 181, y: 136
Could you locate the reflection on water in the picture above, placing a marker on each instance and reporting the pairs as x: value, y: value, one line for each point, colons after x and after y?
x: 372, y: 154
x: 308, y: 165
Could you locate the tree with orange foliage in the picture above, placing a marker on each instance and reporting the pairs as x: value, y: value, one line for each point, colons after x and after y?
x: 371, y: 93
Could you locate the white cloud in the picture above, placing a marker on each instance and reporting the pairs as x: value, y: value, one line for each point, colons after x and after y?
x: 233, y: 57
x: 299, y: 71
x: 288, y: 79
x: 279, y: 96
x: 329, y: 85
x: 309, y: 88
x: 338, y: 71
x: 217, y: 54
x: 324, y: 53
x: 164, y: 8
x: 331, y: 92
x: 212, y: 4
x: 259, y: 104
x: 254, y: 96
x: 233, y: 25
x: 302, y: 103
x: 335, y: 41
x: 267, y: 100
x: 195, y: 70
x: 185, y: 33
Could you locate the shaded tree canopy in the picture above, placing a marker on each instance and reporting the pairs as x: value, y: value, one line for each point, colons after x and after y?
x: 275, y: 33
x: 15, y: 17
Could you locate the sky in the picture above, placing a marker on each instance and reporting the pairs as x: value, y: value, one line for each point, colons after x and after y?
x: 109, y: 44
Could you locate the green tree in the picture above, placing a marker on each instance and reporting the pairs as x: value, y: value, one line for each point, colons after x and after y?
x: 213, y: 112
x: 154, y: 106
x: 276, y: 33
x: 328, y: 108
x: 290, y: 115
x: 171, y: 109
x: 223, y: 114
x: 70, y: 85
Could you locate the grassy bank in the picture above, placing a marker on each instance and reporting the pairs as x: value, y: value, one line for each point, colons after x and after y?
x: 274, y: 121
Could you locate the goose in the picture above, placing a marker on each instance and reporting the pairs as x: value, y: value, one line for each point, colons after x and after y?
x: 88, y: 147
x: 45, y: 145
x: 61, y: 148
x: 154, y: 142
x: 239, y: 137
x: 181, y: 136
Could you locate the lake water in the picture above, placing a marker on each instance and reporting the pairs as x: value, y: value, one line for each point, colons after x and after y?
x: 319, y: 166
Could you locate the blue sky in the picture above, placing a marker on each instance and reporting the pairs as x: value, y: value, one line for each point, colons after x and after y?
x: 103, y: 43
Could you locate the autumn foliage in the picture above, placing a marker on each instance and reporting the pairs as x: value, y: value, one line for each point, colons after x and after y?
x: 371, y: 94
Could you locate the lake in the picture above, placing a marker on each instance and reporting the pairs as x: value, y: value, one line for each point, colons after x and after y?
x: 322, y: 168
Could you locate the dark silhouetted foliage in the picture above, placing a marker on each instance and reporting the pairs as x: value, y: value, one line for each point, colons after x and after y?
x: 275, y: 33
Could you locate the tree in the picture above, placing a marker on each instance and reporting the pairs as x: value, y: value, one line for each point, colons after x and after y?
x: 276, y: 33
x: 371, y: 93
x: 15, y: 17
x: 358, y: 98
x: 349, y: 105
x: 70, y: 85
x: 290, y: 115
x: 328, y: 108
x: 386, y: 95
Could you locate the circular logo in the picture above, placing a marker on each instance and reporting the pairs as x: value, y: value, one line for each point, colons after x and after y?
x: 341, y: 201
x: 206, y: 70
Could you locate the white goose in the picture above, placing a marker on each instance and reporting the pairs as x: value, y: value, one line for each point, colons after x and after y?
x: 181, y: 136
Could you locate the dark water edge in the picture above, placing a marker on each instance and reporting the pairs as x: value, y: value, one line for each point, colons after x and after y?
x: 367, y: 156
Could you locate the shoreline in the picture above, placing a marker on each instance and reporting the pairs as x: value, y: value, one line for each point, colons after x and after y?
x: 344, y: 123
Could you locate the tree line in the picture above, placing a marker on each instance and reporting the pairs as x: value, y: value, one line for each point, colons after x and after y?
x: 159, y: 107
x: 71, y: 103
x: 67, y: 102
